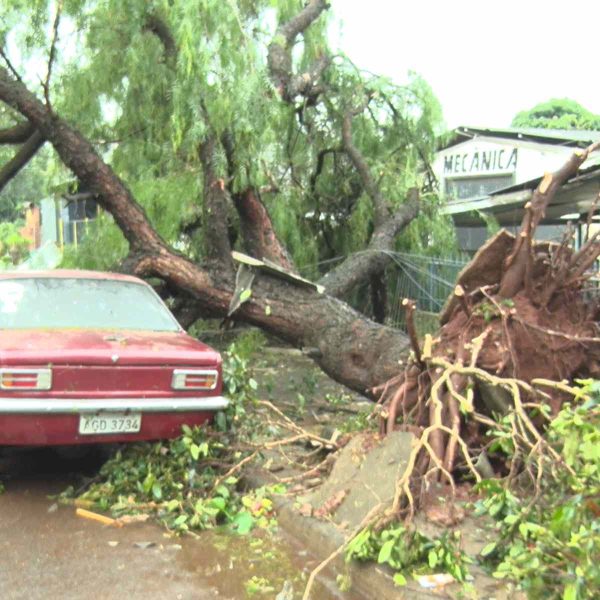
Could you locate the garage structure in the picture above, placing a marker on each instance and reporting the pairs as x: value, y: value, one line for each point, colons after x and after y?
x: 487, y: 175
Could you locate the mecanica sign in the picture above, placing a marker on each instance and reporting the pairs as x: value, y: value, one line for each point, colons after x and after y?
x: 475, y: 161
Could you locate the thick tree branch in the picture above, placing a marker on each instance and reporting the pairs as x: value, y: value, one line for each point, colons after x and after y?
x: 258, y: 235
x: 380, y: 207
x: 306, y: 84
x: 280, y: 54
x: 358, y: 267
x: 352, y: 349
x: 319, y: 167
x: 9, y: 64
x: 256, y: 228
x: 23, y: 155
x: 216, y: 199
x: 17, y: 134
x: 52, y: 53
x: 155, y: 25
x: 78, y: 154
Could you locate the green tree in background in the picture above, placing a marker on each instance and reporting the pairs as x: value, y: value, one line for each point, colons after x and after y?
x: 151, y: 80
x: 205, y: 126
x: 558, y: 114
x: 13, y: 246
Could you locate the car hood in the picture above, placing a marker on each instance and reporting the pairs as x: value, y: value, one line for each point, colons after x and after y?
x: 102, y: 347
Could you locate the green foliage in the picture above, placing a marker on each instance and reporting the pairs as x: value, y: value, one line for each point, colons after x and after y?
x: 557, y: 113
x: 250, y: 344
x: 550, y: 543
x: 406, y: 551
x: 258, y: 585
x: 103, y: 233
x: 179, y: 481
x: 148, y: 107
x: 14, y: 248
x: 31, y: 184
x: 363, y: 420
x: 240, y: 387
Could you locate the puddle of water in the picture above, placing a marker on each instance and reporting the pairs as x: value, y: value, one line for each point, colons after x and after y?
x: 252, y: 566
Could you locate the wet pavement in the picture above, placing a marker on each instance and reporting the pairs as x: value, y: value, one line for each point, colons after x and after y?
x: 48, y: 552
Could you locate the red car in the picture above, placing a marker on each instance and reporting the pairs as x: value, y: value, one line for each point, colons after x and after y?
x: 90, y: 357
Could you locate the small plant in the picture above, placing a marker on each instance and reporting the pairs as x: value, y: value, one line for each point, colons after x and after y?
x: 250, y: 343
x: 14, y: 248
x: 486, y: 310
x: 240, y: 387
x: 301, y: 403
x: 258, y: 585
x: 361, y: 421
x: 311, y: 381
x: 338, y: 399
x: 406, y: 551
x: 550, y: 542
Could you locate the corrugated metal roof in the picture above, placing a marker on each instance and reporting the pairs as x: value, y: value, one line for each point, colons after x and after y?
x: 591, y: 169
x: 561, y: 137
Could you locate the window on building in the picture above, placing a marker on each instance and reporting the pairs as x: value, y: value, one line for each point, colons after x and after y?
x: 476, y: 187
x: 82, y: 209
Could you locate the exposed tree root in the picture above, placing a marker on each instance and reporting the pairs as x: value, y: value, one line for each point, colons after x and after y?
x: 531, y: 450
x: 520, y: 325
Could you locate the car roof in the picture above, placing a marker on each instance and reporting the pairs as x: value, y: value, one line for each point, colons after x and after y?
x: 69, y: 274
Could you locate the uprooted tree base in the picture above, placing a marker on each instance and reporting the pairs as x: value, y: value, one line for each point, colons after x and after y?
x: 520, y: 319
x: 520, y: 311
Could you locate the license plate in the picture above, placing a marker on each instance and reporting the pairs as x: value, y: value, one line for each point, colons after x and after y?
x: 110, y: 423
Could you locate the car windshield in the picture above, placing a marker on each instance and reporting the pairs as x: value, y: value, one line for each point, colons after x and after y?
x: 57, y: 303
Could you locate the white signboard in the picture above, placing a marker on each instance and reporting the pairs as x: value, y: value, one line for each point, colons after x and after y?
x: 478, y: 161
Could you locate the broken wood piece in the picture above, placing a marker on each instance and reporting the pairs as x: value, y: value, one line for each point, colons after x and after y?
x: 427, y: 347
x: 459, y: 292
x: 276, y: 271
x: 409, y: 307
x: 93, y: 516
x: 243, y: 287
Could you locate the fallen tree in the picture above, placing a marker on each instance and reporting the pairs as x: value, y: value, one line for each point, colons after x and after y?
x: 508, y: 317
x: 520, y: 320
x: 348, y: 346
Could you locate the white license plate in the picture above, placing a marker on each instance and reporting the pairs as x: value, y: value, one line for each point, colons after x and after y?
x: 110, y: 423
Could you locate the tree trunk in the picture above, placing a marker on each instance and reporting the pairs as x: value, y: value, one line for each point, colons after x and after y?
x: 347, y: 346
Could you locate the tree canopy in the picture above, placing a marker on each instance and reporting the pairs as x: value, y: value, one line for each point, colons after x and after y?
x: 152, y: 83
x: 557, y: 113
x: 202, y: 127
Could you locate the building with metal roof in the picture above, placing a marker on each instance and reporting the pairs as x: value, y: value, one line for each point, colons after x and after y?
x: 489, y: 174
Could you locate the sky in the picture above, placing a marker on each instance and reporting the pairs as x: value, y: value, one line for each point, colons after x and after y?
x: 485, y: 60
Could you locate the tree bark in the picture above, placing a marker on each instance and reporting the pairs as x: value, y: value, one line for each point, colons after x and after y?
x: 17, y: 134
x: 23, y: 155
x: 279, y: 55
x: 258, y: 235
x: 79, y: 155
x: 215, y: 206
x: 374, y: 259
x: 349, y: 347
